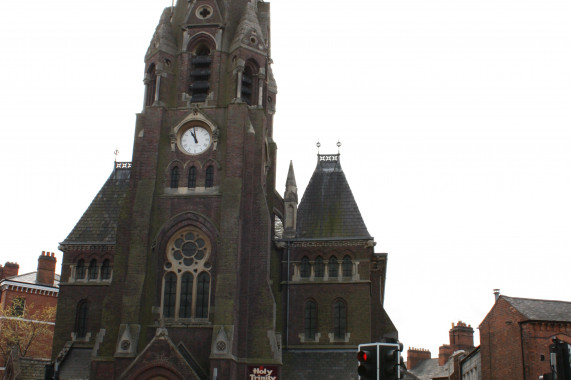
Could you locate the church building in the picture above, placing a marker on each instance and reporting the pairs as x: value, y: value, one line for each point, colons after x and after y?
x: 188, y: 264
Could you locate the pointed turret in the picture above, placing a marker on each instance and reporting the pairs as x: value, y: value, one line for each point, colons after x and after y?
x: 328, y: 208
x: 290, y: 203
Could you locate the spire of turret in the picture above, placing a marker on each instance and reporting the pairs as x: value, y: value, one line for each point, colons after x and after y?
x: 163, y: 39
x: 290, y: 203
x: 249, y: 33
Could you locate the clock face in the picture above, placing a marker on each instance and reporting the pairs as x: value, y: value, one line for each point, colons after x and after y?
x: 195, y: 140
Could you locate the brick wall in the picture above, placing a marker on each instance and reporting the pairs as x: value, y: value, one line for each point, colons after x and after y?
x: 323, y: 365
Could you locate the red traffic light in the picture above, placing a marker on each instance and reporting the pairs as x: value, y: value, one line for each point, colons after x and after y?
x: 362, y: 356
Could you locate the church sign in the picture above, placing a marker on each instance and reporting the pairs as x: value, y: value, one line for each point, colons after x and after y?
x: 262, y: 373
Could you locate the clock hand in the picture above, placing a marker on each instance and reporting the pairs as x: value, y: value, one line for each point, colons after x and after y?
x: 193, y: 134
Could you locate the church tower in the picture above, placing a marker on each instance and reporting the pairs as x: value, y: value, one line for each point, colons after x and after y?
x: 167, y: 273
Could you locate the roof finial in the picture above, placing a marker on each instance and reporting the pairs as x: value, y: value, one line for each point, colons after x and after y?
x: 338, y: 146
x: 116, y: 153
x: 318, y: 145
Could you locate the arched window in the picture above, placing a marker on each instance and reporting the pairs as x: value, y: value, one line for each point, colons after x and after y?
x: 310, y: 322
x: 319, y: 267
x: 333, y: 267
x: 347, y: 266
x: 169, y: 295
x: 209, y: 180
x: 186, y: 295
x: 248, y: 84
x: 187, y: 253
x: 200, y: 74
x: 174, y: 178
x: 202, y: 295
x: 192, y: 177
x: 105, y: 270
x: 92, y: 271
x: 151, y: 82
x: 80, y: 270
x: 81, y: 319
x: 339, y: 319
x: 305, y: 268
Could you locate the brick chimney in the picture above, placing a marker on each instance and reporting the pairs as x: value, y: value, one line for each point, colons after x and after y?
x: 8, y: 270
x: 461, y: 337
x: 46, y: 268
x: 416, y: 355
x: 444, y: 353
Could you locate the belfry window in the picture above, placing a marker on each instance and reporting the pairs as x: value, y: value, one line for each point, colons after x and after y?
x: 310, y: 321
x: 247, y: 85
x: 105, y: 270
x: 92, y: 271
x: 174, y: 178
x: 192, y: 177
x: 80, y: 270
x: 200, y: 74
x: 186, y: 283
x: 339, y: 319
x: 209, y: 180
x: 151, y: 82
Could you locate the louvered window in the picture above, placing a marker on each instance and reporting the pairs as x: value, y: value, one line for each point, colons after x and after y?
x: 247, y: 85
x: 200, y: 75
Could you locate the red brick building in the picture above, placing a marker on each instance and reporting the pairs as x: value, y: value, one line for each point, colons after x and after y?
x: 516, y: 334
x: 32, y: 292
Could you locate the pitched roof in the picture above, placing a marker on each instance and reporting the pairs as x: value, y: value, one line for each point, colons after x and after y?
x: 98, y: 225
x: 541, y: 310
x: 328, y: 208
x: 429, y: 369
x: 31, y: 278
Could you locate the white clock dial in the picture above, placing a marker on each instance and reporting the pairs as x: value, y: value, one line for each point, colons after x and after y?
x: 195, y: 140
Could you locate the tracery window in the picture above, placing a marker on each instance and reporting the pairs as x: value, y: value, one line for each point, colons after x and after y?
x: 305, y: 268
x: 347, y: 266
x: 333, y: 267
x: 187, y: 281
x: 310, y: 321
x: 339, y: 319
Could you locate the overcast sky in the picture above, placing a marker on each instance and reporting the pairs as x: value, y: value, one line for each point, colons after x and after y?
x: 454, y: 118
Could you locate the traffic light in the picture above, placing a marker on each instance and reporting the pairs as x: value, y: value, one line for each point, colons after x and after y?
x: 390, y: 359
x: 367, y: 356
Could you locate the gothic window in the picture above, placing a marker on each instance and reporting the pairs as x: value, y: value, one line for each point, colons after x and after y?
x: 248, y: 84
x: 209, y: 181
x: 192, y: 177
x: 319, y: 267
x: 200, y: 74
x: 310, y: 323
x: 186, y: 286
x: 174, y: 177
x: 339, y: 319
x: 105, y: 270
x: 151, y: 81
x: 333, y: 267
x: 347, y: 266
x: 80, y: 270
x: 169, y: 295
x: 92, y: 270
x: 305, y: 268
x: 81, y: 318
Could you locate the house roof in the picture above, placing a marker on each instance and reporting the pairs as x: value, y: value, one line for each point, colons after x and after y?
x: 429, y: 369
x: 98, y: 225
x: 328, y: 208
x: 541, y: 310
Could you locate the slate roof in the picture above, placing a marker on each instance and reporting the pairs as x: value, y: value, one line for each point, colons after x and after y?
x: 328, y: 208
x: 98, y: 225
x: 429, y: 369
x: 541, y: 310
x: 31, y: 278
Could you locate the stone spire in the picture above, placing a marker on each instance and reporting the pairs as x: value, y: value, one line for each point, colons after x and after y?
x: 290, y: 202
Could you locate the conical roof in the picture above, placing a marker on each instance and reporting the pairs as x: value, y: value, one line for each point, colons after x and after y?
x: 328, y: 208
